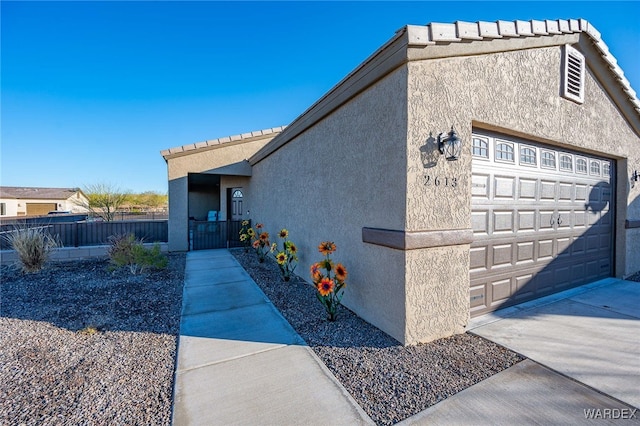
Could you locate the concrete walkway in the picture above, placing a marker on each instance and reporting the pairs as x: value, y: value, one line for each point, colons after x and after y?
x: 583, y: 347
x: 241, y: 363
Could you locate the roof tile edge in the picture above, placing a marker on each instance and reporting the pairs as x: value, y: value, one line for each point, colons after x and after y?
x: 219, y: 141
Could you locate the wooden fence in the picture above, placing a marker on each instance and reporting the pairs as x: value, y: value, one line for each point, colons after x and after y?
x: 80, y: 234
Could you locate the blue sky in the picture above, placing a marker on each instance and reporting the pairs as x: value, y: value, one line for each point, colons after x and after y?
x: 92, y: 91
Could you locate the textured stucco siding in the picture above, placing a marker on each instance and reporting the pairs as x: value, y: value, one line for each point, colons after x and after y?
x: 345, y: 173
x: 515, y: 92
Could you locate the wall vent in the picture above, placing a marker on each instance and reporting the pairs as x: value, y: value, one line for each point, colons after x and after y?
x: 573, y: 75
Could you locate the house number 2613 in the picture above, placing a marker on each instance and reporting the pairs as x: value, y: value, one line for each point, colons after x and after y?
x: 430, y: 180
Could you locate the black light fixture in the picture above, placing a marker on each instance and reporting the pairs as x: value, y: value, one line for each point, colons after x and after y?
x: 634, y: 178
x: 450, y: 146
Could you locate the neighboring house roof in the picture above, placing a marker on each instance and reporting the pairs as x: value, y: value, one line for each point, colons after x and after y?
x: 438, y: 40
x: 208, y: 144
x: 32, y: 193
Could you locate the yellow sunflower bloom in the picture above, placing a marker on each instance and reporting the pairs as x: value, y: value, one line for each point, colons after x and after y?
x: 315, y: 271
x: 281, y: 258
x: 326, y: 248
x: 341, y: 272
x: 283, y: 233
x: 325, y: 287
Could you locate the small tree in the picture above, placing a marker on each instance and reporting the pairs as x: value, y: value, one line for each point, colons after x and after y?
x: 103, y: 200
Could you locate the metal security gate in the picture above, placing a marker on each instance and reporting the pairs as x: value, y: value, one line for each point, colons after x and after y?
x: 206, y: 235
x: 542, y: 221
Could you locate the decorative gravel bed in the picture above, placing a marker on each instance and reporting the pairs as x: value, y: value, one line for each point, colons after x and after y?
x: 389, y: 381
x: 82, y: 345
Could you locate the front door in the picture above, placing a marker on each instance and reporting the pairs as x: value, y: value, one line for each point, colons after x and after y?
x: 236, y: 204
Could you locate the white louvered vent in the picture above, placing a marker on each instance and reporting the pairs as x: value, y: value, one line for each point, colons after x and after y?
x: 573, y: 75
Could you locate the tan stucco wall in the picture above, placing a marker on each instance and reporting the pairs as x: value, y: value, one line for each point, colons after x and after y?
x: 350, y: 167
x: 517, y: 93
x: 345, y: 173
x: 225, y: 159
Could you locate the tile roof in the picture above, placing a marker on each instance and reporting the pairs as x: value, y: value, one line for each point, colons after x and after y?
x: 482, y: 30
x: 214, y: 142
x: 16, y: 192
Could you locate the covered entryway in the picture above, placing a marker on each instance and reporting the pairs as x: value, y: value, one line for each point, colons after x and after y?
x: 542, y: 220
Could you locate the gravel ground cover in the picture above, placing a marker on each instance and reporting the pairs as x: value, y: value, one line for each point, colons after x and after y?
x: 389, y: 381
x: 84, y: 346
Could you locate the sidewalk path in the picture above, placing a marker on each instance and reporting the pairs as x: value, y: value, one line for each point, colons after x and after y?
x: 240, y: 362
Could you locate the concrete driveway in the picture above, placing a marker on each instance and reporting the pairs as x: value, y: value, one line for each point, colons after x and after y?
x: 583, y: 347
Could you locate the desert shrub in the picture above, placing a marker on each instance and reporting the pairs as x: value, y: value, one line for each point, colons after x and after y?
x: 33, y: 246
x: 128, y: 251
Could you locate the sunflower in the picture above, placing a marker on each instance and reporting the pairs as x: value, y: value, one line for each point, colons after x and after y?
x: 245, y: 222
x: 243, y: 237
x: 256, y: 244
x: 325, y: 286
x: 326, y: 248
x: 281, y: 258
x: 292, y: 248
x: 341, y: 272
x: 251, y: 232
x: 315, y: 271
x: 264, y: 237
x: 259, y: 226
x: 274, y: 247
x: 283, y: 233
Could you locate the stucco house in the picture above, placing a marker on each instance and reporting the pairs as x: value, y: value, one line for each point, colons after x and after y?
x: 35, y: 201
x: 542, y: 197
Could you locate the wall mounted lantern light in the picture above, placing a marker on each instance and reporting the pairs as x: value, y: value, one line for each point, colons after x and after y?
x: 450, y: 146
x: 634, y: 178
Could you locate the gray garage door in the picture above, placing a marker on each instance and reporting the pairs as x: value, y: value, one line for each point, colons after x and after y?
x: 542, y: 221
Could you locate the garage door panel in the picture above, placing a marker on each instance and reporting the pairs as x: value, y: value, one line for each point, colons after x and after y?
x: 545, y: 250
x: 502, y: 255
x: 546, y: 220
x: 525, y: 252
x: 537, y: 230
x: 478, y: 297
x: 548, y: 190
x: 527, y: 189
x: 479, y: 258
x: 526, y: 220
x: 566, y: 192
x: 501, y: 291
x: 502, y: 222
x: 581, y: 192
x: 563, y: 247
x: 480, y: 222
x: 504, y: 187
x: 480, y: 186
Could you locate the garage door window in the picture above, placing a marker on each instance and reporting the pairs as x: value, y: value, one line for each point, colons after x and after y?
x: 504, y: 152
x: 595, y: 168
x: 548, y: 160
x: 581, y: 166
x: 566, y: 163
x: 606, y: 169
x: 528, y: 156
x: 480, y: 148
